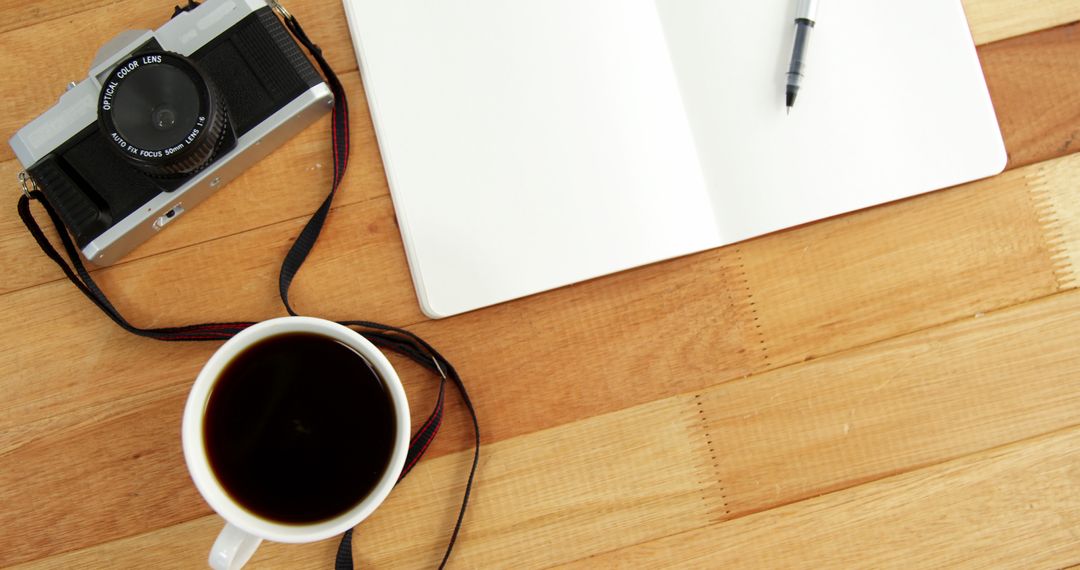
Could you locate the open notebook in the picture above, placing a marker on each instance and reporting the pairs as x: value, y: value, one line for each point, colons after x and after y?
x: 530, y: 145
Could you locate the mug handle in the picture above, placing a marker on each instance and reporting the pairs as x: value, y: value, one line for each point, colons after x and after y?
x: 233, y: 548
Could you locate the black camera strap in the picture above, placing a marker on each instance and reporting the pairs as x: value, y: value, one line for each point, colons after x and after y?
x: 385, y: 336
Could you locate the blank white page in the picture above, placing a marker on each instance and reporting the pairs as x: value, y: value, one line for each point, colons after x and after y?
x: 529, y: 145
x: 894, y: 104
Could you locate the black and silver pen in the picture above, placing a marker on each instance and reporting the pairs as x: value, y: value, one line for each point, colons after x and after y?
x: 805, y: 18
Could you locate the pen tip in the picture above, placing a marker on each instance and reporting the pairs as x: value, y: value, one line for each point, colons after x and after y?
x: 789, y: 109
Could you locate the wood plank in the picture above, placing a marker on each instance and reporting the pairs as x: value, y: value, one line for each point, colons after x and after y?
x: 19, y: 14
x: 595, y: 340
x: 1057, y: 203
x: 881, y: 272
x: 915, y: 400
x: 1014, y: 507
x: 570, y: 489
x: 981, y: 362
x: 358, y: 268
x: 597, y: 485
x: 993, y: 20
x: 334, y: 285
x: 589, y: 485
x: 139, y: 461
x: 185, y: 546
x: 1027, y: 77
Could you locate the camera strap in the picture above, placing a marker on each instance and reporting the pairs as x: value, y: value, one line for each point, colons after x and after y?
x: 388, y: 337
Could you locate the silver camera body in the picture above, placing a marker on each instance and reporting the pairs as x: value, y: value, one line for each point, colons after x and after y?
x: 270, y: 92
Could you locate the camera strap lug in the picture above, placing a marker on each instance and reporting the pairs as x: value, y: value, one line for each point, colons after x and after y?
x: 281, y: 9
x: 23, y: 179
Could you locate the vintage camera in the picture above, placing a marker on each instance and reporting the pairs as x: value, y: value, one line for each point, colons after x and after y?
x: 165, y: 118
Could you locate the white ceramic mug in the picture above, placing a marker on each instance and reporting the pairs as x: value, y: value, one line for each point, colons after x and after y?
x: 244, y: 531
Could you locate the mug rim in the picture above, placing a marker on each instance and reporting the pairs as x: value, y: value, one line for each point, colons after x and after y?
x: 198, y: 462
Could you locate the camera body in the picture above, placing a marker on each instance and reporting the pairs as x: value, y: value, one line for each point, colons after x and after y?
x: 165, y: 118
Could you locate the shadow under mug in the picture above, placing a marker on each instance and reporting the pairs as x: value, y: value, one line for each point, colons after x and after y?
x: 244, y: 531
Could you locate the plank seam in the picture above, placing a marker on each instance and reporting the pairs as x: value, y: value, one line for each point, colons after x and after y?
x: 743, y: 280
x: 988, y: 452
x: 1053, y: 229
x: 713, y: 461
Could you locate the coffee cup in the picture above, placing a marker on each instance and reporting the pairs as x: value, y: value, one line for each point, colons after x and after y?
x: 287, y: 437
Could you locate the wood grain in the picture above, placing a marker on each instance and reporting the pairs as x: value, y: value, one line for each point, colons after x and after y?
x: 182, y: 547
x: 779, y: 437
x: 686, y: 462
x: 881, y: 272
x: 587, y: 485
x: 915, y: 400
x: 1049, y: 124
x: 18, y: 14
x: 1014, y: 507
x: 993, y: 20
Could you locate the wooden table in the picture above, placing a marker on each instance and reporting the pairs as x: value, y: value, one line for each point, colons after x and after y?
x: 894, y: 387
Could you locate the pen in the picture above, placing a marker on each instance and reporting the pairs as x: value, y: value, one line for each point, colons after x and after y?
x: 805, y: 17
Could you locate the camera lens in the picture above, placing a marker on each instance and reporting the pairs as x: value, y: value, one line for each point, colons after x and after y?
x: 155, y: 107
x: 161, y: 113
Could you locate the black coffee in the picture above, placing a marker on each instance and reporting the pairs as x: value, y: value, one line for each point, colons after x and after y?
x: 299, y: 428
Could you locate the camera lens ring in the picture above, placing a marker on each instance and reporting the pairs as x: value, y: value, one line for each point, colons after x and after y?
x: 161, y: 113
